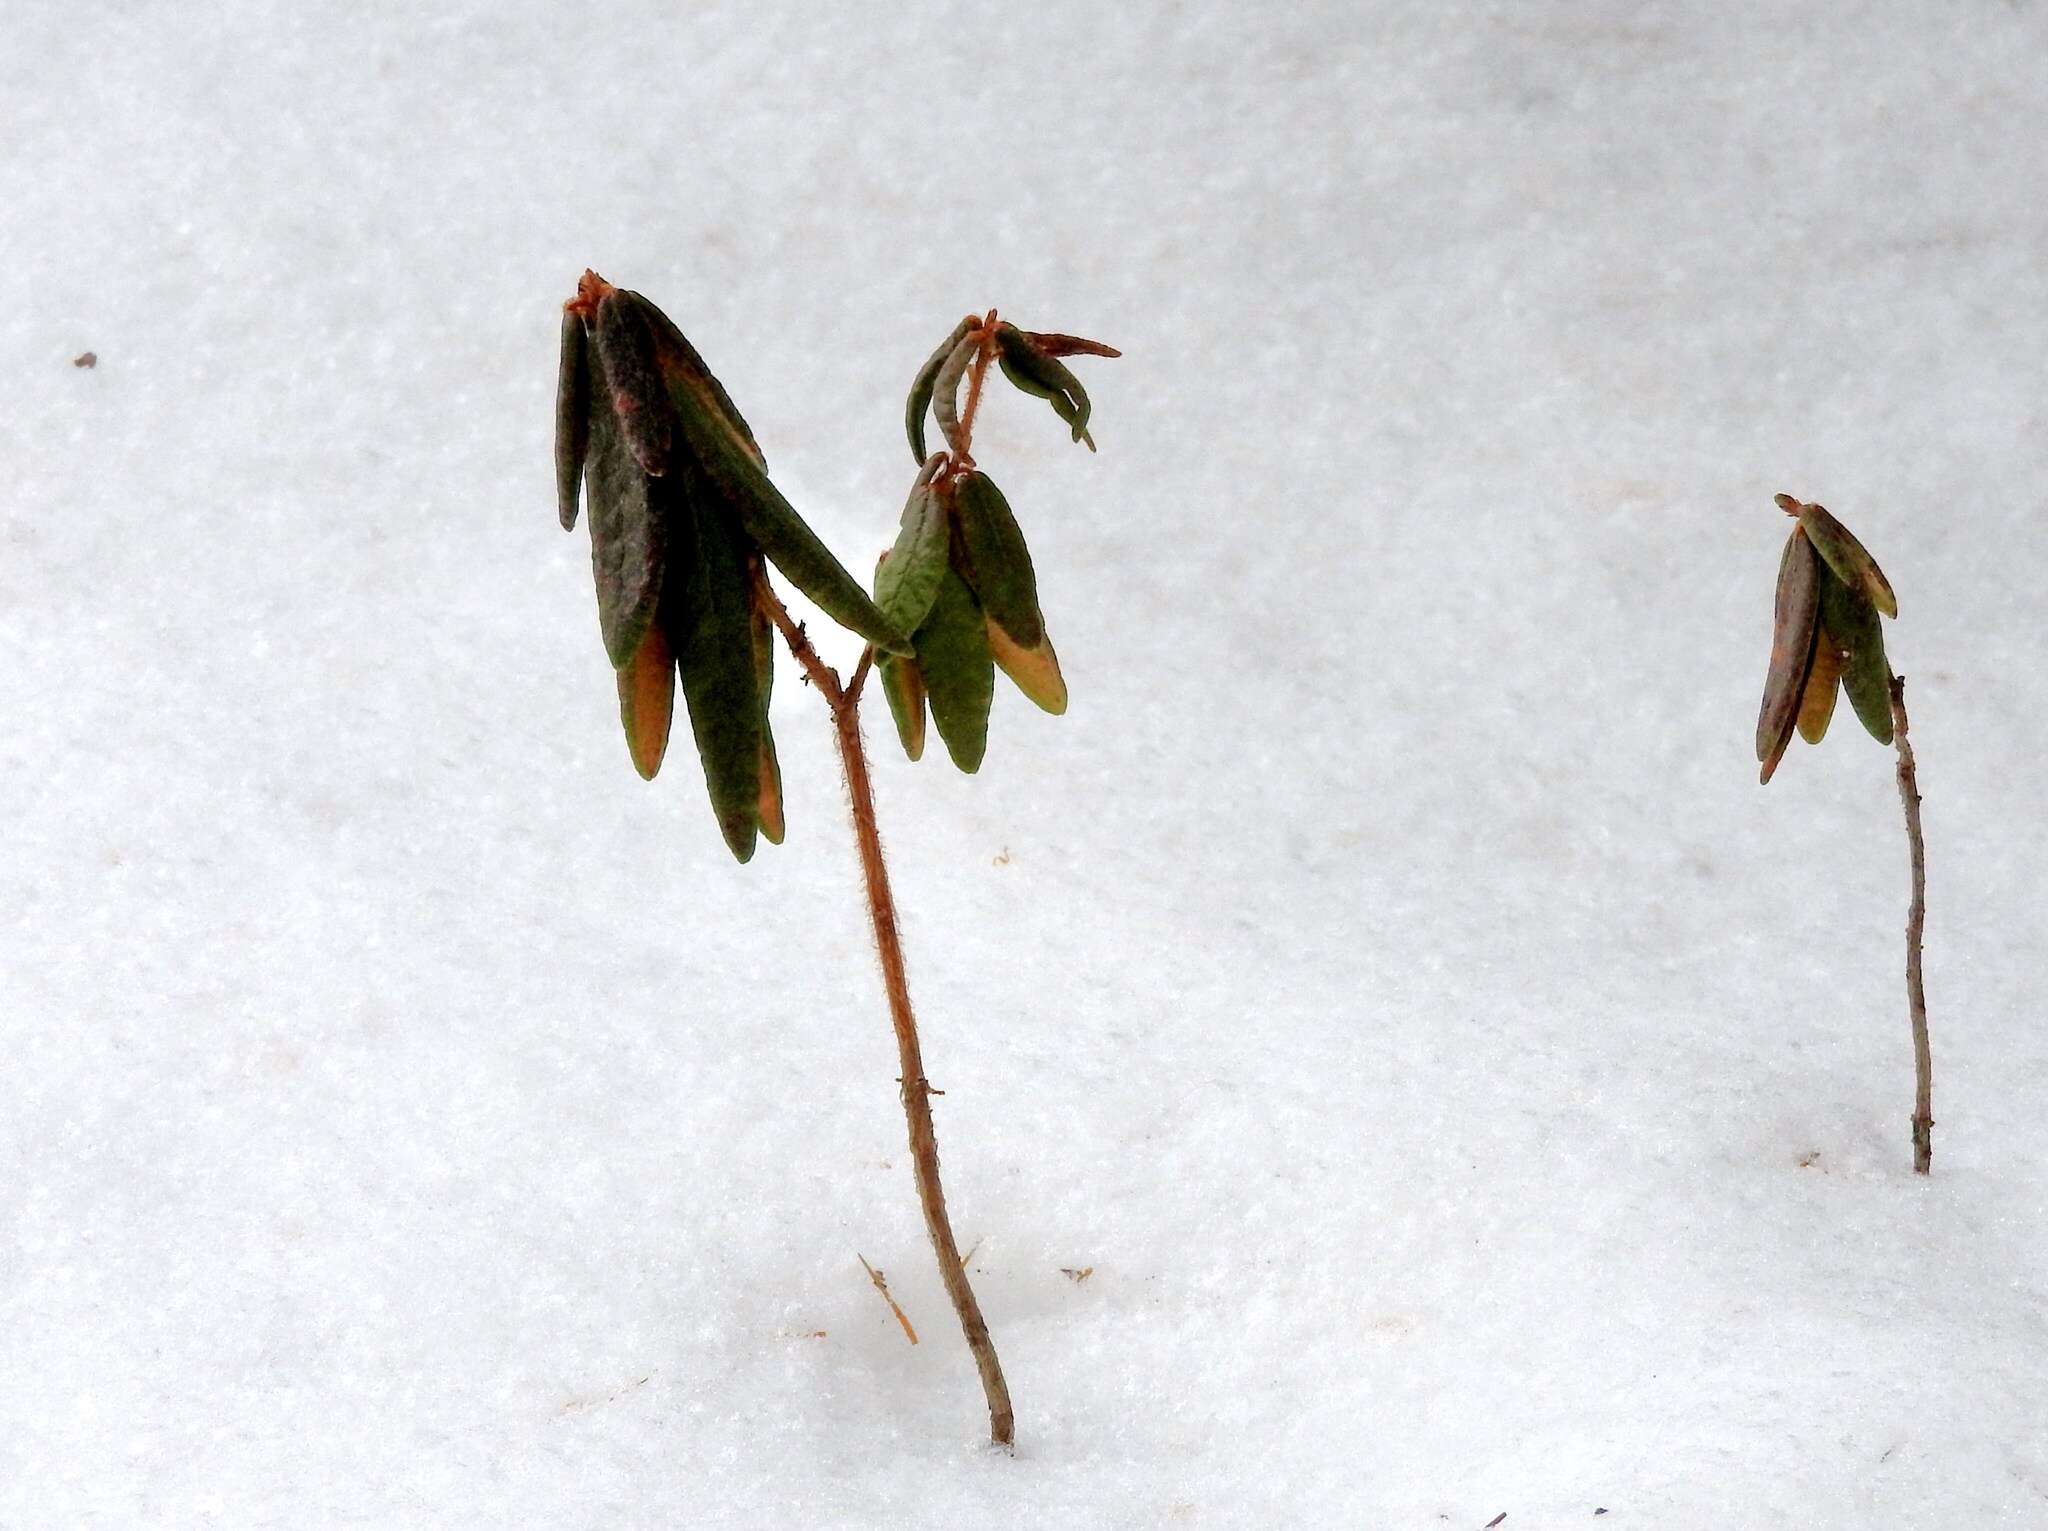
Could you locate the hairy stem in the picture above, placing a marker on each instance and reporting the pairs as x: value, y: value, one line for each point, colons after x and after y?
x: 917, y: 1090
x: 984, y: 353
x: 1916, y: 922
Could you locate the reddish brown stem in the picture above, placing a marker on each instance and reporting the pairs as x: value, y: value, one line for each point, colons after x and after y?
x: 984, y: 353
x: 917, y: 1090
x: 1916, y: 923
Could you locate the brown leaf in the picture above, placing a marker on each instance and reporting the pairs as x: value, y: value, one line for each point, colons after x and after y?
x: 1794, y: 616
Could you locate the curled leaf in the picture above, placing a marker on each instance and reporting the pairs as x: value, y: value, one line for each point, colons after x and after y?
x: 946, y: 389
x: 572, y: 417
x: 1043, y: 375
x: 1055, y: 344
x: 920, y: 399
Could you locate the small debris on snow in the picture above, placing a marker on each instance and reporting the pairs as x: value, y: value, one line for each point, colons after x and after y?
x: 882, y: 1286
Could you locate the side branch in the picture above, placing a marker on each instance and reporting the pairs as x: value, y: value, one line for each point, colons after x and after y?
x: 1916, y: 921
x: 822, y: 675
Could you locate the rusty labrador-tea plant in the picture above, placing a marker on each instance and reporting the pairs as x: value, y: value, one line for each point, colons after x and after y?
x: 684, y: 525
x: 1826, y: 636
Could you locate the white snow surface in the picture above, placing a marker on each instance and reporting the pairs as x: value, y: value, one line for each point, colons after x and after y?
x: 1471, y: 1093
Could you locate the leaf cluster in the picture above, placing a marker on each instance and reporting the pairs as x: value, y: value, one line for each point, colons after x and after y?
x: 960, y: 579
x: 1825, y: 636
x: 682, y: 514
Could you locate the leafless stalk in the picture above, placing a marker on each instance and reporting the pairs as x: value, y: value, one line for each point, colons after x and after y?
x: 1916, y: 921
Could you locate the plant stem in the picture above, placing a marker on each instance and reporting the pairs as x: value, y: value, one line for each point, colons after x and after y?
x: 917, y: 1090
x: 984, y: 353
x: 1916, y: 921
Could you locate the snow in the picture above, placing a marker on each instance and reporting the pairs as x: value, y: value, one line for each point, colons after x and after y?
x: 1471, y: 1092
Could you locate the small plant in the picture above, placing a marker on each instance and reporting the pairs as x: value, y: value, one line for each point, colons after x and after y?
x: 683, y: 526
x: 1826, y: 636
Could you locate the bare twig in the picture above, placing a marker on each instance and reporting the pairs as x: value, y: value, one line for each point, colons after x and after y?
x: 917, y: 1090
x: 1916, y: 921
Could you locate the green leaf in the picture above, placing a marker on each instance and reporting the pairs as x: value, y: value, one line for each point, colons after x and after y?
x: 639, y: 394
x: 1851, y: 562
x: 737, y: 481
x: 1852, y: 622
x: 628, y: 532
x: 1002, y: 575
x: 920, y: 398
x: 1045, y: 377
x: 1794, y: 615
x: 959, y: 672
x: 712, y: 630
x: 907, y: 577
x: 687, y: 376
x: 572, y: 417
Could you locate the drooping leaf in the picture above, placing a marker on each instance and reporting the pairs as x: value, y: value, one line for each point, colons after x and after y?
x: 572, y: 417
x: 1852, y: 622
x: 713, y: 635
x: 1851, y: 562
x: 736, y: 480
x: 958, y: 669
x: 907, y: 577
x: 628, y: 531
x: 1794, y: 614
x: 716, y: 436
x: 1823, y: 685
x: 1002, y: 575
x: 903, y: 684
x: 684, y: 370
x: 1044, y: 376
x: 1036, y: 671
x: 639, y: 394
x: 920, y: 399
x: 647, y: 699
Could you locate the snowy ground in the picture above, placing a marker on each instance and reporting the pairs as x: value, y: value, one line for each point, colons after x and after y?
x: 1471, y: 1092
